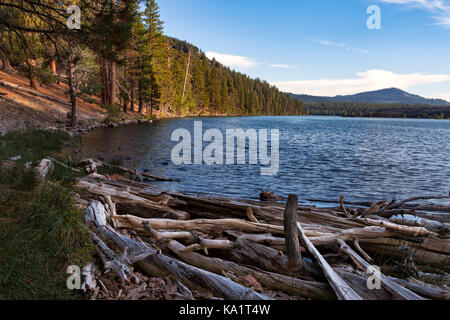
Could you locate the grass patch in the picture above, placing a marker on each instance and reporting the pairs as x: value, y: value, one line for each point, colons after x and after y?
x: 113, y: 113
x: 32, y: 144
x: 41, y: 229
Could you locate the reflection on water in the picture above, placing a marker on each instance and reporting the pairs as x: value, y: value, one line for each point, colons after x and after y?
x: 320, y: 157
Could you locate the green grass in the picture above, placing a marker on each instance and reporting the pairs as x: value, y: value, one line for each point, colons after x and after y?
x: 41, y: 229
x: 32, y: 144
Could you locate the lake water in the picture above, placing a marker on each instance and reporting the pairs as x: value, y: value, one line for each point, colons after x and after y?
x: 320, y: 157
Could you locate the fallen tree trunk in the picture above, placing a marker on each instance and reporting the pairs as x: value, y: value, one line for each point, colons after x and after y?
x: 423, y: 289
x: 21, y: 88
x: 246, y: 252
x: 397, y: 290
x: 306, y: 289
x: 135, y: 223
x: 156, y: 264
x: 129, y: 203
x: 341, y: 288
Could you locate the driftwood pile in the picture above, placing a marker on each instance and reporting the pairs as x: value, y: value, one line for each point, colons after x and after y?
x: 242, y: 250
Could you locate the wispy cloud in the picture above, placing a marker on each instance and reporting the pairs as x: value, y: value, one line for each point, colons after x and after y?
x: 439, y: 8
x: 342, y: 45
x: 231, y: 60
x: 281, y: 66
x: 234, y: 61
x: 370, y: 80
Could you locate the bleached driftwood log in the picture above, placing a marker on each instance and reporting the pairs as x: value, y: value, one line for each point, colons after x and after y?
x: 44, y: 168
x: 341, y: 288
x: 126, y: 201
x: 397, y: 290
x: 295, y: 286
x: 157, y: 264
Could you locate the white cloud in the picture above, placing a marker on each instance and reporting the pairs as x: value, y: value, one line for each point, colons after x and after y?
x: 232, y: 61
x: 440, y: 8
x: 340, y: 45
x: 365, y: 81
x: 281, y: 66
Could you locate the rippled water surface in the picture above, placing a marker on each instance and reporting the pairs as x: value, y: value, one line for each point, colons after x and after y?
x: 320, y: 157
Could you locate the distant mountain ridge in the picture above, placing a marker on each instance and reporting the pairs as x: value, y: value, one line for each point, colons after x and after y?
x: 384, y: 96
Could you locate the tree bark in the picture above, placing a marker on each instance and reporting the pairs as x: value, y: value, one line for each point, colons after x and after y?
x: 53, y: 67
x: 6, y: 64
x: 73, y: 99
x: 291, y: 233
x: 141, y: 99
x: 132, y: 94
x: 108, y: 78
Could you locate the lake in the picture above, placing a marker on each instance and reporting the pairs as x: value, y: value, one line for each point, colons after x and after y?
x: 320, y: 157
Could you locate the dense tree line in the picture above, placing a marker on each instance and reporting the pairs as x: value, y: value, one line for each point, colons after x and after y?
x: 356, y: 109
x: 121, y: 55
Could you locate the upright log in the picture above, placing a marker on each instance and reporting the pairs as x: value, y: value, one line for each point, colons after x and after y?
x: 291, y: 234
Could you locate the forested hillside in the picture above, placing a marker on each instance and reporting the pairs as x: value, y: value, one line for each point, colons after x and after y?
x: 120, y: 54
x: 384, y: 96
x: 356, y: 109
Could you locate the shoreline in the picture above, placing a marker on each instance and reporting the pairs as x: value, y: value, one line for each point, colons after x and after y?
x: 177, y: 220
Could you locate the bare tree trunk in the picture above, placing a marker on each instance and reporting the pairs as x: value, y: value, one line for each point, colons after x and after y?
x: 108, y: 77
x: 73, y: 99
x: 151, y: 102
x: 125, y: 102
x: 187, y: 72
x: 112, y: 81
x: 141, y: 99
x: 132, y: 94
x: 103, y: 75
x: 53, y: 67
x: 6, y: 64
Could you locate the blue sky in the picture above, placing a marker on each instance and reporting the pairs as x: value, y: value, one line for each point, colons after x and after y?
x: 322, y: 47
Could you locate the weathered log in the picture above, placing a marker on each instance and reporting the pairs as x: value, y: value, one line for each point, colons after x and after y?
x: 129, y: 203
x: 44, y: 168
x: 397, y: 290
x: 372, y: 209
x: 387, y: 246
x: 341, y: 288
x: 274, y: 281
x: 157, y: 264
x: 251, y: 216
x: 359, y: 283
x: 414, y: 231
x: 63, y: 165
x: 21, y: 88
x: 440, y: 228
x: 401, y: 203
x: 249, y: 253
x: 135, y: 223
x: 134, y: 172
x: 423, y: 289
x: 358, y: 233
x: 291, y: 234
x: 341, y: 204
